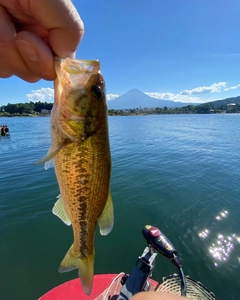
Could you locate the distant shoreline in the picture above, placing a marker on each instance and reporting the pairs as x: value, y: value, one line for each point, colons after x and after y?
x: 122, y: 115
x: 24, y: 115
x: 43, y: 109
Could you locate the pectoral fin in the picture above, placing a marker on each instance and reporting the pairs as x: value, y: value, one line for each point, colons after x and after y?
x: 59, y: 211
x: 106, y: 220
x: 50, y: 155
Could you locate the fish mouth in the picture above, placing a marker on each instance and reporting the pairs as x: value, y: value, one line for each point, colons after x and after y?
x: 75, y: 73
x: 78, y: 66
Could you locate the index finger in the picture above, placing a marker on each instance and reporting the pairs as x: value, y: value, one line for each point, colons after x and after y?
x: 59, y: 18
x: 63, y: 23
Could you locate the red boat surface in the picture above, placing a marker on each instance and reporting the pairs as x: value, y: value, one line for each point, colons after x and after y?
x: 105, y: 286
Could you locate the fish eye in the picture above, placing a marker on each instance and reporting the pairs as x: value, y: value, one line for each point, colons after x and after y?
x: 96, y: 92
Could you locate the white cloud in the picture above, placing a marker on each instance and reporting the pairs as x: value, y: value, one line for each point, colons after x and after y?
x: 189, y: 95
x: 43, y: 94
x: 111, y: 96
x: 214, y: 88
x: 232, y: 87
x: 47, y: 94
x: 174, y: 97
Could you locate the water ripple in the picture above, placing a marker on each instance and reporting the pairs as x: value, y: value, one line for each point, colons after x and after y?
x: 179, y: 173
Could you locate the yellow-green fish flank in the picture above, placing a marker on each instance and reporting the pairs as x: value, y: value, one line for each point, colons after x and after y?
x: 82, y: 161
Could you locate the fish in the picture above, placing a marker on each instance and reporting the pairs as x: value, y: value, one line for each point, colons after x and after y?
x: 80, y: 152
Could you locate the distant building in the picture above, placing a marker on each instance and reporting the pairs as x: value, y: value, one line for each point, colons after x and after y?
x: 231, y: 104
x: 45, y: 111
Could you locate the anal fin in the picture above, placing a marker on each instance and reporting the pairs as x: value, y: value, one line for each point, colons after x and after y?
x: 106, y: 220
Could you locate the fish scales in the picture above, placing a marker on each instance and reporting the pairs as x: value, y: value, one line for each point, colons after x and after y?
x: 87, y: 180
x: 82, y: 161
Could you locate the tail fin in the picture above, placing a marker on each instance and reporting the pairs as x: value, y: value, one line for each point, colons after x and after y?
x: 85, y: 268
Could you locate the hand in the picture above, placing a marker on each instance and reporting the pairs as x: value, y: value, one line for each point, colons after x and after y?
x: 32, y: 32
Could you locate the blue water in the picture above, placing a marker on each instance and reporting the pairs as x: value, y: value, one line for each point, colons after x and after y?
x: 180, y: 173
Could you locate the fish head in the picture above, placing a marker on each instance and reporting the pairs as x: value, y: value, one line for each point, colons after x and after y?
x: 80, y: 98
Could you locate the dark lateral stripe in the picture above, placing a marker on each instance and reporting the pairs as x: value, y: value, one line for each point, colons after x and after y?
x: 83, y: 225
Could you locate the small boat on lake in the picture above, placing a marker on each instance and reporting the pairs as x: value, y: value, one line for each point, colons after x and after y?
x: 4, y: 130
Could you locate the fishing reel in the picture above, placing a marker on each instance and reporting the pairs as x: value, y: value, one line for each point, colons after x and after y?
x: 139, y: 278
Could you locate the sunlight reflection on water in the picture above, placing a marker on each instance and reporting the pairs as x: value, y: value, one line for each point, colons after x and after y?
x: 222, y: 245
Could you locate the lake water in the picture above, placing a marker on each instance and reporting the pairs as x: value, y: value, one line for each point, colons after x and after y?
x: 180, y: 173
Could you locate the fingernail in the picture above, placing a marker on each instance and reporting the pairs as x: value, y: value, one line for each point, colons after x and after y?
x: 67, y: 54
x: 27, y: 51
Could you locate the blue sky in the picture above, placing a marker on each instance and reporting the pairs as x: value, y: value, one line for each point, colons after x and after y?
x: 181, y: 50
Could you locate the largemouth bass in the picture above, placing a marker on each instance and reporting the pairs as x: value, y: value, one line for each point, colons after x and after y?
x: 81, y: 154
